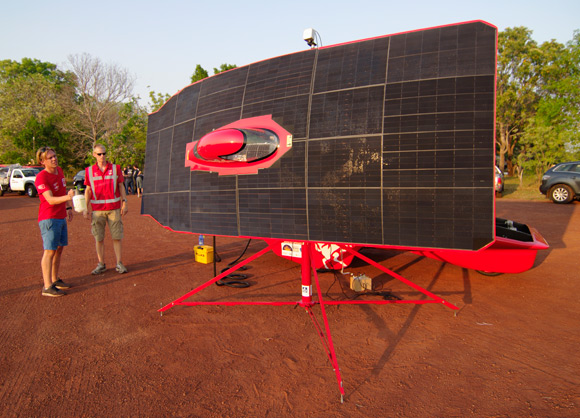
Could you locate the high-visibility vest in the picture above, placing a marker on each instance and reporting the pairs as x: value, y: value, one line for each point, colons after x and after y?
x: 104, y: 187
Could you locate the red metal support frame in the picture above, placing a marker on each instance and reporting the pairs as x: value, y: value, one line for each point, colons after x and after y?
x: 307, y: 268
x: 326, y: 340
x: 434, y: 298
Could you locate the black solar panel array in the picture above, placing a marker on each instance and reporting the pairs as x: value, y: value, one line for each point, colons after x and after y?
x: 393, y: 145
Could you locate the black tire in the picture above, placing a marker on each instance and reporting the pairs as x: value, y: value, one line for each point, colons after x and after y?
x: 488, y: 273
x: 31, y: 190
x: 1, y: 191
x: 561, y: 193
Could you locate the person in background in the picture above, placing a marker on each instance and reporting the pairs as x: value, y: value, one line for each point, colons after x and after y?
x: 53, y: 213
x: 129, y: 184
x: 106, y: 204
x: 138, y: 175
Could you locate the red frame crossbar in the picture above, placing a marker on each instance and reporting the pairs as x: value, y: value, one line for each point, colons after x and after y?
x: 307, y: 268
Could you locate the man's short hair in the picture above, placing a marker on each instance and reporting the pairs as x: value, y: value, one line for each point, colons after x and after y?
x: 41, y: 154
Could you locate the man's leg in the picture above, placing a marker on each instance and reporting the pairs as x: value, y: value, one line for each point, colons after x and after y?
x: 117, y: 248
x: 100, y: 245
x: 116, y: 228
x: 46, y: 264
x: 56, y: 264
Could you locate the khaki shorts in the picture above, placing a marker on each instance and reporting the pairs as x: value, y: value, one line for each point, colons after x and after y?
x: 100, y: 218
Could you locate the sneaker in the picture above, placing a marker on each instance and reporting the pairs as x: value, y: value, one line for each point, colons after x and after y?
x: 52, y: 291
x: 121, y: 268
x: 59, y: 284
x: 100, y: 269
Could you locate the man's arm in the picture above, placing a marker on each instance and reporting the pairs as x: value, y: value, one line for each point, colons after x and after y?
x: 57, y: 200
x: 124, y: 207
x: 88, y: 195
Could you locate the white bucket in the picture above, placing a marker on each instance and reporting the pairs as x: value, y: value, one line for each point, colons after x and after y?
x: 79, y: 203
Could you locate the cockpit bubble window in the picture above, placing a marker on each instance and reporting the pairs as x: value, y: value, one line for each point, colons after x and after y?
x: 258, y: 144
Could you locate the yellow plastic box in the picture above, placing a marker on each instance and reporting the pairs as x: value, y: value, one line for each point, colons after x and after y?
x: 203, y: 254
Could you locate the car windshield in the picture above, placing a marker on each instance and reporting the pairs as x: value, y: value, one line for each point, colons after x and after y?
x: 29, y: 172
x: 568, y: 167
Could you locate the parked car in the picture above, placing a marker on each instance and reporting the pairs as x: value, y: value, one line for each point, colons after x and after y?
x: 561, y: 183
x: 79, y: 181
x: 15, y: 178
x: 498, y: 182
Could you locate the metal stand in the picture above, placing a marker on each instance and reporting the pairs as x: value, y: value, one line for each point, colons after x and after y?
x: 307, y: 268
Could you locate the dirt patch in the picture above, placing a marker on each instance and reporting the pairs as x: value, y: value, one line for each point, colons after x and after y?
x: 104, y: 350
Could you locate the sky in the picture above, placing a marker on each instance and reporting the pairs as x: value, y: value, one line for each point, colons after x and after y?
x: 161, y: 42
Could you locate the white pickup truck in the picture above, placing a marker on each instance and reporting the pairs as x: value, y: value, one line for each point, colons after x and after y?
x: 15, y: 178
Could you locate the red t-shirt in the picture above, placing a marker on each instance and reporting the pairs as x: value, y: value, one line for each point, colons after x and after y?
x: 56, y: 183
x: 105, y: 189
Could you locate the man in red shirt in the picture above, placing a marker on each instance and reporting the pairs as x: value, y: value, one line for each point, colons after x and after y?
x: 106, y: 204
x: 53, y: 210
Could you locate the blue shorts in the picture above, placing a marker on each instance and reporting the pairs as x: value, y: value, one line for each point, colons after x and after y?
x: 54, y: 233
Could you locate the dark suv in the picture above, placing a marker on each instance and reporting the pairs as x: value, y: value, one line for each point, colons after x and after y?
x: 561, y: 183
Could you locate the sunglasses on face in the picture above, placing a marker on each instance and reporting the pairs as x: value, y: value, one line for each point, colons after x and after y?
x: 100, y: 153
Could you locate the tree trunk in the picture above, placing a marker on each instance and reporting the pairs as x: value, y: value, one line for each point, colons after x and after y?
x: 504, y: 139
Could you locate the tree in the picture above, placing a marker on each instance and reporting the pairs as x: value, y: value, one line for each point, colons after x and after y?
x: 224, y: 67
x: 516, y: 81
x: 158, y: 100
x: 32, y: 94
x: 101, y: 90
x: 12, y: 70
x: 127, y: 147
x: 199, y: 74
x: 552, y: 131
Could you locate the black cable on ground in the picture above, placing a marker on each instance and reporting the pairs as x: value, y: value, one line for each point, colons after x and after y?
x: 233, y: 279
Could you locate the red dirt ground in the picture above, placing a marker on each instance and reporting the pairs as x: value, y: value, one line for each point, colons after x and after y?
x: 104, y: 350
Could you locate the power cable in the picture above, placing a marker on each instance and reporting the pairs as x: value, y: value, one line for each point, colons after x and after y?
x: 233, y: 279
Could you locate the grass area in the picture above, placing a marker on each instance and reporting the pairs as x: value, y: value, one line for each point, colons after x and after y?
x: 529, y: 190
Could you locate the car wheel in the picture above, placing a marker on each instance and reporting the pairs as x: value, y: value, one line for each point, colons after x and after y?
x: 30, y: 190
x: 488, y: 273
x: 561, y: 193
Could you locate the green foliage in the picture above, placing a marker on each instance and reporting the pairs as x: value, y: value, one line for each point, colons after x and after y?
x: 538, y: 101
x: 157, y: 100
x: 516, y: 81
x: 39, y: 106
x: 224, y: 67
x: 12, y: 70
x: 32, y: 94
x: 128, y: 146
x: 199, y: 74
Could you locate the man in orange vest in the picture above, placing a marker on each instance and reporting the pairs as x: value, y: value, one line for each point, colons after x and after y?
x: 105, y: 191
